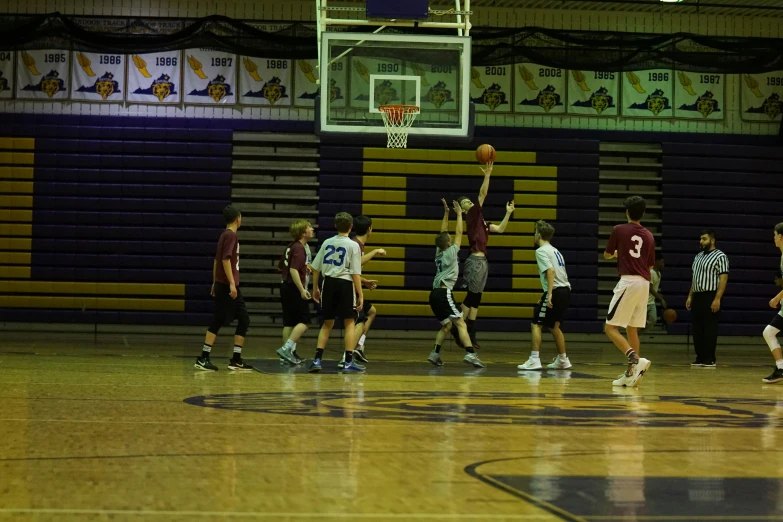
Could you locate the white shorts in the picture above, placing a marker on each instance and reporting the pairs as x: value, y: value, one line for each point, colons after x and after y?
x: 629, y: 303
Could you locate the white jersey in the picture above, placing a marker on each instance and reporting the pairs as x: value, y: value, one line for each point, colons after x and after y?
x: 339, y: 257
x: 548, y: 257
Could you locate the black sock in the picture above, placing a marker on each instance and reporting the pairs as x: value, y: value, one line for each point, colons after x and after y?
x: 470, y: 349
x: 437, y: 348
x: 205, y: 350
x: 237, y: 353
x: 319, y: 353
x: 348, y: 357
x: 471, y: 329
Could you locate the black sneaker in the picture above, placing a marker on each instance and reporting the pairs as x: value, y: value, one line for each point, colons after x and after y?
x: 776, y: 376
x: 299, y: 358
x: 239, y: 365
x: 359, y: 356
x: 205, y: 364
x: 710, y: 364
x: 697, y: 363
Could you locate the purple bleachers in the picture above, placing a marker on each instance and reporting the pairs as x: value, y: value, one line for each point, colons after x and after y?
x: 733, y: 189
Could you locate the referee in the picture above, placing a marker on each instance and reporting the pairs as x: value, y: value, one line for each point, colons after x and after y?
x: 710, y: 275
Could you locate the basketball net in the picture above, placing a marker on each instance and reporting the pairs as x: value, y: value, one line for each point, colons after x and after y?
x: 398, y: 120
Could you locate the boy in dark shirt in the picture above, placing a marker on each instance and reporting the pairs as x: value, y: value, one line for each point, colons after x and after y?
x: 228, y: 299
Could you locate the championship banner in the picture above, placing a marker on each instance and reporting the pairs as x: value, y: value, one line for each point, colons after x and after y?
x: 490, y: 88
x: 101, y: 25
x: 648, y: 93
x: 98, y: 77
x: 43, y: 75
x: 386, y: 91
x: 155, y: 78
x: 306, y: 90
x: 593, y: 93
x: 209, y: 77
x: 6, y: 75
x: 265, y: 81
x: 539, y: 89
x: 439, y: 85
x: 761, y: 97
x: 699, y: 96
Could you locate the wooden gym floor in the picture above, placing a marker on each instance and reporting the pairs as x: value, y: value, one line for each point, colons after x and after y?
x: 126, y: 429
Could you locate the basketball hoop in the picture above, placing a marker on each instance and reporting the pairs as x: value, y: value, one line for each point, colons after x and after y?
x: 398, y: 119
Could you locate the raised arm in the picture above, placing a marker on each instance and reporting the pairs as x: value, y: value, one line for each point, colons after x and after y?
x: 487, y: 170
x: 499, y: 229
x: 458, y: 230
x: 444, y: 226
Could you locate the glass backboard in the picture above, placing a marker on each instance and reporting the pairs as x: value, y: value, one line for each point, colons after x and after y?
x: 360, y: 72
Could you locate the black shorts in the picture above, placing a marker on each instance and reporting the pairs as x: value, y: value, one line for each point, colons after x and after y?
x: 777, y: 322
x: 295, y: 309
x: 361, y: 315
x: 443, y: 305
x: 543, y: 315
x: 338, y: 299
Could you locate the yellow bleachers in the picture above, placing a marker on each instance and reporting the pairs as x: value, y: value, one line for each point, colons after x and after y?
x: 408, y: 238
x: 377, y: 209
x: 57, y: 287
x: 422, y: 296
x: 455, y: 169
x: 16, y: 158
x: 446, y: 156
x: 17, y: 143
x: 432, y: 226
x: 15, y: 272
x: 424, y: 310
x: 16, y: 173
x: 92, y: 303
x: 385, y: 196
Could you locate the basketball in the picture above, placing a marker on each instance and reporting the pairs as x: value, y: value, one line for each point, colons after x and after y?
x: 485, y: 153
x: 669, y: 315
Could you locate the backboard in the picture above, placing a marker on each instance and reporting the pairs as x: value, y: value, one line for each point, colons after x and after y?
x: 360, y: 72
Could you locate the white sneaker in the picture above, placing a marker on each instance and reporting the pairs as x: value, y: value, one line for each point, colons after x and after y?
x: 623, y: 380
x: 559, y: 364
x: 639, y: 370
x: 341, y: 364
x: 472, y: 358
x: 530, y: 364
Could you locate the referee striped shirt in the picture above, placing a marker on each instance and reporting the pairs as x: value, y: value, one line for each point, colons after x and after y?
x: 707, y: 269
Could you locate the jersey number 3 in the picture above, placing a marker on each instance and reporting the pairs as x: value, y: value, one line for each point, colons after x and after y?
x: 638, y: 242
x: 330, y: 250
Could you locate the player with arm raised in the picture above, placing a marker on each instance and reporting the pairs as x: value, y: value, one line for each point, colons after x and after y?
x: 441, y: 296
x: 476, y: 267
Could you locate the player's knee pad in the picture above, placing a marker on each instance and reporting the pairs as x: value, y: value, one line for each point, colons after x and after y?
x: 771, y: 336
x: 472, y: 300
x: 243, y: 323
x: 214, y: 328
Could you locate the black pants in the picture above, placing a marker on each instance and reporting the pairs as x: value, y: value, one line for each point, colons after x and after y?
x: 227, y: 309
x: 705, y: 326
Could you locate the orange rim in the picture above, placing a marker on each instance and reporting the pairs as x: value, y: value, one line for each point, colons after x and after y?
x: 401, y: 109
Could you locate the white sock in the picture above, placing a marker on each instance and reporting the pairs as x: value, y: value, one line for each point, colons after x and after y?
x: 562, y: 357
x: 779, y: 364
x: 534, y: 355
x: 294, y: 347
x: 361, y: 341
x: 289, y: 344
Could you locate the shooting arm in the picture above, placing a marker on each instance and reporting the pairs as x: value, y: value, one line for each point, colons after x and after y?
x: 458, y: 231
x: 485, y: 186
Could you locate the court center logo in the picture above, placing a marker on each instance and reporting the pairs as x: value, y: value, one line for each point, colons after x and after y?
x: 547, y: 409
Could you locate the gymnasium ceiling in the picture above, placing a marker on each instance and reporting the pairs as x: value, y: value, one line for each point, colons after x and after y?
x: 762, y: 8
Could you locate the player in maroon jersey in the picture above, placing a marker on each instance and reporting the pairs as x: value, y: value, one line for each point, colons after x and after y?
x: 634, y: 247
x: 476, y: 268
